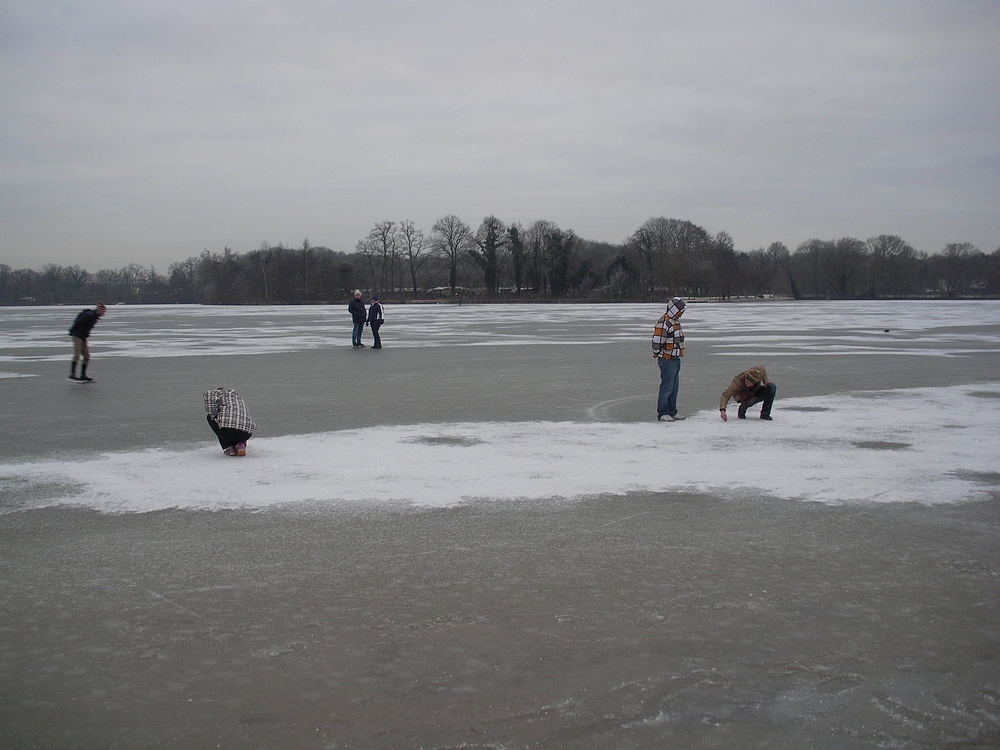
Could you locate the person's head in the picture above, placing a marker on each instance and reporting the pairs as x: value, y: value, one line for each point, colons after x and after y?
x: 100, y: 309
x: 675, y: 308
x: 752, y: 378
x: 374, y: 298
x: 357, y: 294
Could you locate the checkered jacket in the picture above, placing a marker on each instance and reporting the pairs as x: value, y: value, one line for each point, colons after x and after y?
x: 668, y: 336
x: 228, y: 409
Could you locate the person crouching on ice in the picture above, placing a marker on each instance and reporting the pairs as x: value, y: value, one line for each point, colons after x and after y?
x: 748, y: 388
x: 229, y: 419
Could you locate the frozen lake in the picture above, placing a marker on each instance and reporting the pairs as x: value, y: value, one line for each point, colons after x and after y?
x: 877, y: 401
x: 481, y: 537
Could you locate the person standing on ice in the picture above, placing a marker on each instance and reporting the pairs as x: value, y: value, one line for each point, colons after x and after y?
x: 375, y: 320
x: 358, y: 312
x: 668, y: 348
x: 80, y: 332
x: 748, y: 388
x: 230, y: 420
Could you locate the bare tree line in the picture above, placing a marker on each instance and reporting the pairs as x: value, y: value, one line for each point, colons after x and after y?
x: 499, y: 261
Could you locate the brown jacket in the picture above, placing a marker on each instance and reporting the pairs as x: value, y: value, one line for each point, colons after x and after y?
x: 737, y: 389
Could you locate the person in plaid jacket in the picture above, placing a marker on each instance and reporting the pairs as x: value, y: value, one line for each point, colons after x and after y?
x: 668, y: 348
x: 229, y: 419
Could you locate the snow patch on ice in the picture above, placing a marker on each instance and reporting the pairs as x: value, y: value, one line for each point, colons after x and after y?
x: 933, y: 445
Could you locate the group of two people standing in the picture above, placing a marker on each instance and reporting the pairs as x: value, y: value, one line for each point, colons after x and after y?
x: 748, y: 388
x: 371, y: 317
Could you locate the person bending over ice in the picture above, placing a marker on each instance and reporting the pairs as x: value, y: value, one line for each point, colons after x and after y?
x: 80, y: 332
x: 229, y: 419
x: 748, y: 388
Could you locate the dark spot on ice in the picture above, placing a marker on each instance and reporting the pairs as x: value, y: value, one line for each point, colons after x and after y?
x: 462, y: 442
x: 881, y: 445
x: 984, y: 477
x: 985, y: 394
x: 805, y: 408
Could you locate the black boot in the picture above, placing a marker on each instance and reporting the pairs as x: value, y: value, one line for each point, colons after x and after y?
x: 83, y: 374
x: 72, y: 371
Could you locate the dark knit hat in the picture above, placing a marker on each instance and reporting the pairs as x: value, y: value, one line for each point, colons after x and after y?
x: 753, y: 375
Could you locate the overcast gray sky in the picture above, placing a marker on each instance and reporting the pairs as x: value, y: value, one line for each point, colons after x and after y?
x: 145, y: 132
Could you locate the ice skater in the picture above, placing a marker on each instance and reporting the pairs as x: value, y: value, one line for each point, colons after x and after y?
x: 229, y: 419
x: 668, y: 348
x: 360, y: 315
x: 375, y: 320
x: 748, y: 388
x: 80, y: 332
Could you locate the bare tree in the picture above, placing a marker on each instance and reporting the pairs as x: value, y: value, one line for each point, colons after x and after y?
x: 263, y: 258
x: 380, y: 249
x: 517, y: 255
x: 725, y: 264
x: 76, y: 277
x: 451, y: 240
x: 308, y: 260
x: 778, y: 259
x: 956, y: 261
x: 487, y: 252
x: 845, y: 267
x: 537, y: 260
x: 671, y: 252
x: 413, y: 247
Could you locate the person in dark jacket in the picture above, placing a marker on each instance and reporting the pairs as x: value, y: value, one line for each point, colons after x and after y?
x: 358, y: 312
x: 375, y: 320
x: 80, y: 332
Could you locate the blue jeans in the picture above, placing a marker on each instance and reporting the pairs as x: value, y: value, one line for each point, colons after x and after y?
x: 356, y: 335
x: 670, y: 380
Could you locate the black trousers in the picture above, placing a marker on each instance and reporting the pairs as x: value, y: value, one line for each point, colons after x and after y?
x: 766, y: 394
x: 228, y: 436
x: 375, y: 325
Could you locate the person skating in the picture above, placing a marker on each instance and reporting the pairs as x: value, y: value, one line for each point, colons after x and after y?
x: 748, y: 388
x: 359, y: 314
x: 375, y: 320
x: 230, y: 420
x: 80, y: 332
x: 668, y: 348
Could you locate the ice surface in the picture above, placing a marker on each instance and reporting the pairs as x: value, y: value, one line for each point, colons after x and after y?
x: 925, y: 445
x: 877, y: 401
x: 827, y: 328
x: 820, y: 581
